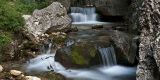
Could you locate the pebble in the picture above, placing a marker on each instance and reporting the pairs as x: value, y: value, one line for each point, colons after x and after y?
x: 1, y: 68
x: 15, y: 72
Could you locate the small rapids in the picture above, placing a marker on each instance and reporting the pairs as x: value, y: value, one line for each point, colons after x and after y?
x: 109, y: 71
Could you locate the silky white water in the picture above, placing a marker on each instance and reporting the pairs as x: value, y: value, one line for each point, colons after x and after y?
x: 46, y: 62
x: 83, y: 15
x: 108, y: 56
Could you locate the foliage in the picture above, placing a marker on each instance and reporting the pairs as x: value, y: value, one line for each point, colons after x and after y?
x: 5, y: 38
x: 10, y: 18
x: 11, y: 12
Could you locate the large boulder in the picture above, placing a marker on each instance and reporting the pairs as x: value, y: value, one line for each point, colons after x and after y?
x: 47, y: 20
x: 84, y: 52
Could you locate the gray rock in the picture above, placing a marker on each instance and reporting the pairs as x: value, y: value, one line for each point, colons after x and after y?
x: 47, y: 20
x: 147, y: 21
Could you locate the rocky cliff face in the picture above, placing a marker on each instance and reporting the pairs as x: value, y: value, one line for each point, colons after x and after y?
x: 148, y: 17
x: 52, y: 18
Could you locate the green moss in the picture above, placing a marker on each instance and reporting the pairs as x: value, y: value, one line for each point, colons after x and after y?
x: 78, y: 57
x: 59, y: 39
x: 92, y: 51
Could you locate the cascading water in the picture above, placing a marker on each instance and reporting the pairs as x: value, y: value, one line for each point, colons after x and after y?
x: 108, y: 56
x: 46, y: 62
x: 83, y: 15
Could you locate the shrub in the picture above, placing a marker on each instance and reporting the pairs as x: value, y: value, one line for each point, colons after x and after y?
x: 10, y: 18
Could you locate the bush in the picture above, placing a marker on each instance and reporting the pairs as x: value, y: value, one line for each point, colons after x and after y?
x: 5, y: 38
x: 10, y: 18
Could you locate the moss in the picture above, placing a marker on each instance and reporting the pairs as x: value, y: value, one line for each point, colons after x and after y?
x: 78, y: 58
x: 60, y: 39
x: 83, y: 53
x: 92, y: 51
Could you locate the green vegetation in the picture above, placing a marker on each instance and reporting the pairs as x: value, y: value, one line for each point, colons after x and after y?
x: 11, y: 12
x: 83, y: 53
x: 11, y: 20
x: 77, y: 56
x: 5, y: 38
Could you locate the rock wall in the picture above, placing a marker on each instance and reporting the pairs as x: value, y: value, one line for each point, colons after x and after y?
x: 147, y: 16
x: 112, y: 7
x: 105, y: 7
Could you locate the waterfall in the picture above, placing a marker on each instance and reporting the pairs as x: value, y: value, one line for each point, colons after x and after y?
x: 46, y: 62
x: 108, y: 56
x: 85, y: 15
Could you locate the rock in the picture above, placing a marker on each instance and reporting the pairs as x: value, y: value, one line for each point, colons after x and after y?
x: 1, y: 68
x: 112, y: 7
x: 97, y: 26
x: 65, y: 3
x: 47, y: 20
x: 26, y: 17
x: 83, y: 52
x: 31, y: 78
x: 79, y: 55
x: 147, y: 21
x: 86, y: 52
x: 126, y: 47
x: 15, y: 72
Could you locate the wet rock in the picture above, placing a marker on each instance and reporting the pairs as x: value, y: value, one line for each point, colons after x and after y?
x: 31, y: 78
x: 1, y: 68
x: 80, y: 55
x: 47, y: 20
x: 126, y: 47
x: 15, y: 72
x: 83, y: 52
x: 97, y: 26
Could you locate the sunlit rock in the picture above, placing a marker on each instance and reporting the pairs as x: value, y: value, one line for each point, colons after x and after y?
x: 47, y: 20
x: 1, y: 68
x: 15, y: 72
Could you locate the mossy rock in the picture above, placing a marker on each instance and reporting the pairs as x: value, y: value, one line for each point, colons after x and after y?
x: 81, y: 55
